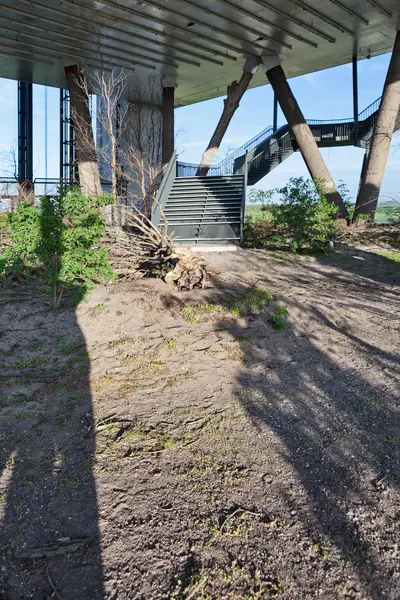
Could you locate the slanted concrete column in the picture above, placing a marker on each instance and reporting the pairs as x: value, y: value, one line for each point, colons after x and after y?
x: 235, y: 92
x: 368, y: 195
x: 86, y: 157
x: 168, y: 125
x: 302, y: 132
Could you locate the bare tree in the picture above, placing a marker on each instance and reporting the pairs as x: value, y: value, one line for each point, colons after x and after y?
x: 111, y: 118
x: 131, y: 132
x: 10, y: 189
x: 9, y: 162
x: 131, y: 150
x: 142, y: 146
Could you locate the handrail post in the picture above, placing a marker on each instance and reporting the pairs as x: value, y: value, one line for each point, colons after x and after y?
x: 355, y: 101
x: 244, y: 194
x: 275, y: 115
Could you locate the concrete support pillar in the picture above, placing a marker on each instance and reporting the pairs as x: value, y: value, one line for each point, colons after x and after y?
x: 368, y: 195
x: 168, y: 124
x: 25, y: 140
x: 85, y: 149
x: 302, y: 132
x: 235, y: 92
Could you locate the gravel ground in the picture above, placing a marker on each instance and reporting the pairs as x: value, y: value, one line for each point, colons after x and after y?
x: 156, y: 446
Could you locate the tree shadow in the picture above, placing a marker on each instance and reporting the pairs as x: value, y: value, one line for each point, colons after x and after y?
x: 338, y: 429
x: 372, y: 266
x: 49, y: 532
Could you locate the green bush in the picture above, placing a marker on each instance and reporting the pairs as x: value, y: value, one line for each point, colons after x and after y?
x: 259, y: 230
x: 304, y: 214
x: 277, y: 318
x: 301, y: 218
x: 57, y: 240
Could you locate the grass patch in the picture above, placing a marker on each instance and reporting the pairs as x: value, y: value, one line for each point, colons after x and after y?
x: 200, y: 312
x: 170, y: 343
x: 277, y: 319
x: 68, y: 348
x: 121, y: 342
x: 18, y: 400
x: 393, y: 440
x: 393, y: 256
x: 237, y: 582
x: 253, y: 300
x: 31, y: 363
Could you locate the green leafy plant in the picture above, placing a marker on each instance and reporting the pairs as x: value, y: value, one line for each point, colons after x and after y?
x: 170, y: 343
x: 58, y: 240
x: 253, y: 300
x: 304, y: 214
x: 277, y: 318
x: 300, y: 218
x: 262, y: 197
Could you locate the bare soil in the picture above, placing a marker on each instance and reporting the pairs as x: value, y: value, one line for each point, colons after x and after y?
x: 150, y: 452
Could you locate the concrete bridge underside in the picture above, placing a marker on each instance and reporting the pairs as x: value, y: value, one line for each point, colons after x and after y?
x: 202, y: 44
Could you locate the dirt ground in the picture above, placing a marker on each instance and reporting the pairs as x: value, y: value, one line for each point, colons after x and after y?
x: 156, y: 446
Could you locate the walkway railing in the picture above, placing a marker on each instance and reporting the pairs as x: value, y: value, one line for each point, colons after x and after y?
x: 226, y: 166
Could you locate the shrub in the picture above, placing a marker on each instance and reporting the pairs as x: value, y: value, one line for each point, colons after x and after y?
x: 304, y: 214
x: 302, y: 218
x: 252, y: 300
x: 258, y: 231
x: 277, y: 318
x: 58, y: 241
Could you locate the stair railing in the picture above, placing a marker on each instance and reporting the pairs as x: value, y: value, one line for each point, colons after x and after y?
x: 244, y: 193
x: 164, y: 190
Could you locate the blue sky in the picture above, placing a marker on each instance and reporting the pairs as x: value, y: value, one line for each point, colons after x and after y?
x: 323, y: 95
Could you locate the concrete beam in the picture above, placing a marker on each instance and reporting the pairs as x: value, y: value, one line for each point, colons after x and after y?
x: 368, y: 195
x: 85, y: 149
x: 235, y: 93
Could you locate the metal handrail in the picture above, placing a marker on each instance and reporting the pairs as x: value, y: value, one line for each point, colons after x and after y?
x: 226, y: 166
x: 330, y: 122
x: 164, y: 189
x: 370, y: 110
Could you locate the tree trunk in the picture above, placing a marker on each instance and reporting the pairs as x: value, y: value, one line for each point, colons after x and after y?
x: 235, y: 92
x: 304, y: 138
x: 368, y: 195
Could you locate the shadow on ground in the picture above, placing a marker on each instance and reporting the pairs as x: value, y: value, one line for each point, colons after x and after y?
x: 49, y: 517
x: 49, y: 534
x: 335, y: 417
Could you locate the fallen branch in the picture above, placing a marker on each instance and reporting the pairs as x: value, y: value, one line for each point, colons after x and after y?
x: 52, y: 584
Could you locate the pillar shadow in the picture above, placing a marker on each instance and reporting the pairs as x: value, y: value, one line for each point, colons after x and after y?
x: 49, y: 532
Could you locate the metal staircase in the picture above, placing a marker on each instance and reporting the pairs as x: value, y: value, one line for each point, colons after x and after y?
x: 211, y: 208
x: 205, y: 208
